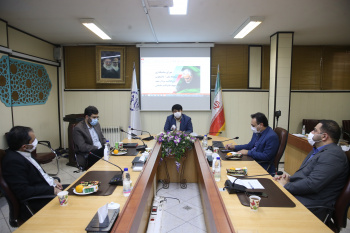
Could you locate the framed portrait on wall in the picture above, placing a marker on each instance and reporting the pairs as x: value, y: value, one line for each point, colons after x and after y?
x: 110, y: 64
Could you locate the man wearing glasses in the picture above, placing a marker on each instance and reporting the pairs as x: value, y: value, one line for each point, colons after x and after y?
x: 88, y: 137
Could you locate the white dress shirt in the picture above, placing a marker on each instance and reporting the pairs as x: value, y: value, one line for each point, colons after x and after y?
x: 94, y: 137
x: 178, y: 125
x: 49, y: 179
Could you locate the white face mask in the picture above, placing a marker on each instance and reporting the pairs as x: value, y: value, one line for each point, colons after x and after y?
x: 177, y: 115
x: 254, y: 129
x: 310, y: 139
x: 34, y: 144
x: 94, y: 122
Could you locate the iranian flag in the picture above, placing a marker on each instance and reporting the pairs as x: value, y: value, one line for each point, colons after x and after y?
x: 217, y: 115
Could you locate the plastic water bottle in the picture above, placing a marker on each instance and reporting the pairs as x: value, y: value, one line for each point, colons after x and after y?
x: 205, y: 142
x: 126, y: 183
x: 129, y: 132
x: 217, y: 171
x: 303, y: 130
x: 108, y: 147
x: 106, y: 152
x: 213, y: 164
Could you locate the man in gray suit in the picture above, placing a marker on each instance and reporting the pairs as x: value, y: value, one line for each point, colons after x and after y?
x: 323, y: 173
x: 88, y: 137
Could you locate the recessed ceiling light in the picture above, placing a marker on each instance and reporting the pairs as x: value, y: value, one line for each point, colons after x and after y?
x: 247, y: 26
x: 92, y: 25
x: 179, y: 7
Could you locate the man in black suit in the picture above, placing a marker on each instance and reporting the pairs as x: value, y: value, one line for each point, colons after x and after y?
x: 23, y: 174
x: 323, y: 173
x: 88, y: 137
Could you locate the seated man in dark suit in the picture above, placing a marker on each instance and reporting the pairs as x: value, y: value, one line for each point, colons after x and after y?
x: 88, y: 137
x: 23, y: 174
x: 264, y: 144
x: 178, y: 121
x: 323, y: 173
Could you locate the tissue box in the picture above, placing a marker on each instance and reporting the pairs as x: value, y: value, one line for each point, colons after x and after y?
x: 137, y: 162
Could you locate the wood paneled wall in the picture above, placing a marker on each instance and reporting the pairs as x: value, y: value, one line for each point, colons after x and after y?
x: 321, y: 68
x: 313, y: 67
x: 80, y: 68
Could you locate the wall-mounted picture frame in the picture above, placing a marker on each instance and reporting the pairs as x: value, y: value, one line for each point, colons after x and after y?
x: 110, y: 65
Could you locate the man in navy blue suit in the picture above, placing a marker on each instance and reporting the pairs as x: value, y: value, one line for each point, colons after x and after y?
x: 264, y: 144
x: 178, y: 121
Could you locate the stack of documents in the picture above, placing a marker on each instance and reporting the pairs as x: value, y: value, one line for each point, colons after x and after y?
x: 248, y: 183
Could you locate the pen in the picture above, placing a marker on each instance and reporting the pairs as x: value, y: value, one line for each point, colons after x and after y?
x: 251, y: 185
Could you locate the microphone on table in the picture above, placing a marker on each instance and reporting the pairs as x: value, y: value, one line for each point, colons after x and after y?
x: 140, y: 148
x: 220, y: 143
x: 132, y: 134
x: 214, y: 132
x: 230, y: 139
x: 118, y: 178
x: 146, y: 139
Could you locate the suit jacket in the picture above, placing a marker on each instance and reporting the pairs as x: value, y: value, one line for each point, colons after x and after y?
x: 82, y: 138
x: 185, y: 125
x: 319, y: 181
x: 266, y: 148
x: 24, y: 180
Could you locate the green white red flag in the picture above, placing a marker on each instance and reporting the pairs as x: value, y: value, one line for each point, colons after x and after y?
x: 217, y: 113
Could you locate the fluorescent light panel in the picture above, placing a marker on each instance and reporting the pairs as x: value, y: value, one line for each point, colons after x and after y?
x: 247, y: 26
x: 92, y: 26
x: 179, y: 7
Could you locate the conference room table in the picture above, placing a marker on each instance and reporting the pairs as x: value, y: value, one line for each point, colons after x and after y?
x: 74, y: 217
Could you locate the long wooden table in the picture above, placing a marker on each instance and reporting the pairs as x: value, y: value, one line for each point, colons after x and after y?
x: 80, y: 210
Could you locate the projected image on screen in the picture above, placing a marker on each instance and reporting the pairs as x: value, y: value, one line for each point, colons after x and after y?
x: 188, y: 80
x: 169, y: 80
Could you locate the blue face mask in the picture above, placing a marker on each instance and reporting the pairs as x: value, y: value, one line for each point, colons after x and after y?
x: 94, y: 122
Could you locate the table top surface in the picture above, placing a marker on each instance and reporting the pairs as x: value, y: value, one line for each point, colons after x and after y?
x: 80, y: 209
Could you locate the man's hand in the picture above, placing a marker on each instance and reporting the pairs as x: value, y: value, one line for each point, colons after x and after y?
x: 229, y: 147
x: 243, y: 152
x: 283, y: 180
x: 56, y: 190
x: 58, y: 185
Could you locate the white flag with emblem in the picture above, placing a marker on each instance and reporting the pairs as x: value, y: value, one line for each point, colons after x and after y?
x: 135, y: 119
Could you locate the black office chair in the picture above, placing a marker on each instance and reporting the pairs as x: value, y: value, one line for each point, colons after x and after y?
x: 13, y: 202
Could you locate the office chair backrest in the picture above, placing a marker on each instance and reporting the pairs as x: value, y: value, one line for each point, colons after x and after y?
x: 310, y: 124
x: 10, y: 197
x: 342, y: 204
x: 283, y: 138
x: 346, y: 130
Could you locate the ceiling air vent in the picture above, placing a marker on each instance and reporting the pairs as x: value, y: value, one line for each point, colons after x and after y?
x: 160, y: 3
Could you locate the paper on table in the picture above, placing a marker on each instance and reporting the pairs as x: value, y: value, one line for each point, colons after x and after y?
x: 299, y: 135
x: 102, y: 213
x: 248, y: 183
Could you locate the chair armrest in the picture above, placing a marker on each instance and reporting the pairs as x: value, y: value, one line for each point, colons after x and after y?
x: 38, y: 197
x: 26, y: 201
x: 320, y: 207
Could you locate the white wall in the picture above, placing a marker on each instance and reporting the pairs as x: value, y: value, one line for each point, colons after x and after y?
x: 113, y: 109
